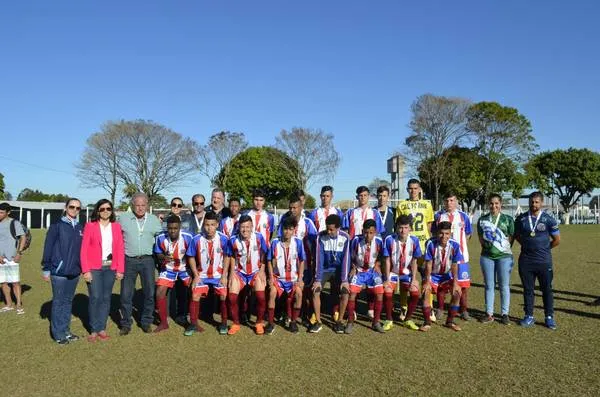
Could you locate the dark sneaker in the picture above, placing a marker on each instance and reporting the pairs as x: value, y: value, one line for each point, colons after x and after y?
x: 527, y: 322
x: 293, y: 327
x: 550, y: 323
x: 222, y: 329
x: 269, y: 329
x: 147, y: 328
x: 244, y: 320
x: 338, y: 328
x: 487, y: 319
x: 377, y: 327
x: 315, y: 328
x: 505, y: 319
x: 348, y: 329
x: 124, y: 331
x: 63, y: 341
x: 191, y: 330
x: 72, y: 337
x: 465, y: 316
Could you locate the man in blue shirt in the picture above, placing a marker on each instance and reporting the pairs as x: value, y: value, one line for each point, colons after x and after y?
x: 537, y: 232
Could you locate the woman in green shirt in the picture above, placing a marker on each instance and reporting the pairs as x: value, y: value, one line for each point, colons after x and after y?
x: 496, y: 231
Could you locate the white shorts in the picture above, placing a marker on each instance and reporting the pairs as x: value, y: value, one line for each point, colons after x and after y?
x: 9, y: 272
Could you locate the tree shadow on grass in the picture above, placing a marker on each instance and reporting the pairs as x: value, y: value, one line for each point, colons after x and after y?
x: 556, y: 291
x: 24, y: 289
x: 79, y: 310
x: 574, y: 312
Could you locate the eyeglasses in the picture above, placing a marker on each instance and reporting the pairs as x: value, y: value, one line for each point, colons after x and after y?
x: 176, y: 205
x: 72, y: 207
x: 104, y: 209
x: 198, y: 202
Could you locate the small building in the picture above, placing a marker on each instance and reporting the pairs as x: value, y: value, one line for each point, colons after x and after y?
x: 40, y: 215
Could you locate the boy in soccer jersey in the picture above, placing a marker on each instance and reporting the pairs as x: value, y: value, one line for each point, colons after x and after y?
x: 401, y: 251
x: 228, y: 225
x: 170, y: 248
x: 332, y: 263
x: 442, y: 256
x: 366, y: 253
x: 387, y: 213
x: 248, y: 258
x: 421, y: 213
x: 356, y: 217
x: 318, y: 215
x: 286, y: 266
x: 208, y: 257
x: 262, y: 221
x: 461, y: 232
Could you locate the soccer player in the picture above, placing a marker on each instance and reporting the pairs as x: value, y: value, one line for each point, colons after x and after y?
x: 421, y: 215
x: 442, y: 256
x: 387, y: 213
x: 538, y: 234
x: 356, y: 217
x: 262, y: 221
x: 332, y: 263
x: 401, y: 251
x: 170, y: 248
x: 248, y: 255
x: 286, y: 265
x: 461, y: 232
x: 228, y: 225
x: 319, y: 215
x: 366, y: 253
x: 208, y: 257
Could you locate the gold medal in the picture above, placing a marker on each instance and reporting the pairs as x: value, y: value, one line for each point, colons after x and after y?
x: 532, y: 234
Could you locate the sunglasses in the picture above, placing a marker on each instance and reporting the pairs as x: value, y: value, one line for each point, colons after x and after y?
x: 198, y: 202
x: 104, y: 209
x: 176, y: 205
x: 72, y: 207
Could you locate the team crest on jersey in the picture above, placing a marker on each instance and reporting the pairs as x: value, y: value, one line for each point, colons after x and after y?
x: 341, y: 245
x: 464, y: 275
x: 541, y: 227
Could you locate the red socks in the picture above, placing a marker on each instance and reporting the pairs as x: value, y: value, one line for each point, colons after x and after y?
x: 261, y: 305
x: 388, y: 300
x: 235, y: 311
x: 378, y: 304
x: 441, y: 298
x: 194, y: 311
x: 161, y: 306
x: 351, y: 309
x: 295, y: 314
x: 412, y: 305
x: 427, y: 315
x: 223, y: 306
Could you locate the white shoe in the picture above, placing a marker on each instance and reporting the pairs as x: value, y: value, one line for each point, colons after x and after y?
x: 371, y: 313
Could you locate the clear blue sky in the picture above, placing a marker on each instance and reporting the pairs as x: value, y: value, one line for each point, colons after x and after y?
x: 351, y: 68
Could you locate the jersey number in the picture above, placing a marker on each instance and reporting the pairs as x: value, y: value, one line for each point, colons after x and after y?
x: 418, y: 222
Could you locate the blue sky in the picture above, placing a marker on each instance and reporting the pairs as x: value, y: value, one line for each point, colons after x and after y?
x: 351, y: 68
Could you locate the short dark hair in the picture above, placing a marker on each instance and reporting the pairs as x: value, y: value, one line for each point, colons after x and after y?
x: 299, y: 193
x: 5, y: 207
x: 173, y: 219
x: 326, y: 188
x: 95, y: 216
x: 211, y: 216
x: 258, y: 193
x: 333, y: 219
x: 244, y: 219
x: 412, y: 181
x: 449, y: 194
x: 234, y: 199
x: 369, y: 223
x: 494, y: 195
x: 383, y: 188
x: 176, y: 198
x: 535, y: 194
x: 361, y: 189
x: 289, y: 222
x: 404, y: 220
x: 444, y: 226
x: 294, y: 198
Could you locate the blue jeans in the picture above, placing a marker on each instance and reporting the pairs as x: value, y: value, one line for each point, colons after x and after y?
x: 100, y: 291
x: 145, y: 268
x: 543, y: 272
x: 496, y: 270
x: 63, y: 291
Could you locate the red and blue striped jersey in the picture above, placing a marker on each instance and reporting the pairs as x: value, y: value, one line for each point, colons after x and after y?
x: 287, y: 260
x: 401, y: 254
x: 177, y: 249
x: 366, y: 255
x: 355, y: 217
x: 248, y: 255
x: 210, y: 255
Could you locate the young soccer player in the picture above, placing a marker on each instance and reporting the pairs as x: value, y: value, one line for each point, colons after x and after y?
x: 356, y: 217
x: 461, y: 232
x: 319, y: 215
x: 366, y: 253
x: 442, y: 256
x: 248, y: 254
x: 332, y: 263
x: 401, y: 251
x: 208, y: 259
x: 286, y: 265
x: 387, y: 213
x: 170, y: 248
x: 262, y: 221
x: 228, y: 225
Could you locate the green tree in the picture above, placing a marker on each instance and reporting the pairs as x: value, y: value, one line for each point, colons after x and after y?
x: 218, y: 152
x: 501, y: 133
x: 2, y: 186
x: 569, y: 174
x: 37, y: 195
x: 262, y: 167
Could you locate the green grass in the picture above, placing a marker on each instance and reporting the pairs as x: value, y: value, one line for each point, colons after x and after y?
x: 487, y: 359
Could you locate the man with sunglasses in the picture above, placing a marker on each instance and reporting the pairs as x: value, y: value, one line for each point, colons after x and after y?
x: 195, y: 220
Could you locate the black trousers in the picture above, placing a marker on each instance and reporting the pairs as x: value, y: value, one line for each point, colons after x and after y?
x: 544, y: 274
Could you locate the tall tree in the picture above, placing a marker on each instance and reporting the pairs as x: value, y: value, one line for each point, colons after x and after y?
x: 500, y: 133
x: 37, y: 195
x: 314, y: 150
x: 437, y: 124
x: 569, y: 174
x: 262, y: 167
x: 218, y: 152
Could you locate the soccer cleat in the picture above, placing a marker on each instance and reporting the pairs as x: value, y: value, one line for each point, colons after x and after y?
x: 410, y: 324
x: 453, y: 327
x: 222, y: 329
x: 315, y: 328
x: 234, y: 329
x: 293, y: 328
x: 487, y: 319
x: 465, y: 316
x: 124, y: 331
x: 377, y: 327
x: 403, y: 311
x: 336, y: 316
x: 338, y: 328
x: 270, y: 329
x: 550, y: 323
x: 387, y: 325
x: 345, y: 330
x: 259, y: 329
x: 189, y: 331
x: 505, y: 319
x: 313, y: 319
x: 527, y: 322
x: 63, y: 341
x: 146, y: 328
x: 371, y: 313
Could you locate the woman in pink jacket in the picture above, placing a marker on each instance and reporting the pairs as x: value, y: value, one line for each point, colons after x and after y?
x: 102, y: 260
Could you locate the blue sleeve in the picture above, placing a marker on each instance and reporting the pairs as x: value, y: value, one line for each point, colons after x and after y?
x: 346, y: 220
x: 378, y: 222
x: 311, y: 230
x: 300, y: 249
x: 380, y: 247
x: 271, y: 224
x: 346, y: 262
x: 221, y: 225
x: 319, y: 258
x: 457, y: 255
x: 271, y: 250
x: 263, y: 245
x: 552, y: 225
x: 386, y: 246
x: 468, y: 229
x: 429, y: 251
x: 157, y: 248
x: 340, y: 213
x: 51, y: 237
x: 191, y: 251
x: 230, y: 249
x: 417, y: 253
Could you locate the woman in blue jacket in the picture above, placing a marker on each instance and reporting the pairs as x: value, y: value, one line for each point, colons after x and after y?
x: 61, y: 266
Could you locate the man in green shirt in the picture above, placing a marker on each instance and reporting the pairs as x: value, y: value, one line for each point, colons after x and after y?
x: 139, y: 231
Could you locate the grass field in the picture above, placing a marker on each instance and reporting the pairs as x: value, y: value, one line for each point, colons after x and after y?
x: 483, y: 359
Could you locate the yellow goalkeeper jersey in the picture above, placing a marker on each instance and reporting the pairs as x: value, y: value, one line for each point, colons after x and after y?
x: 421, y: 213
